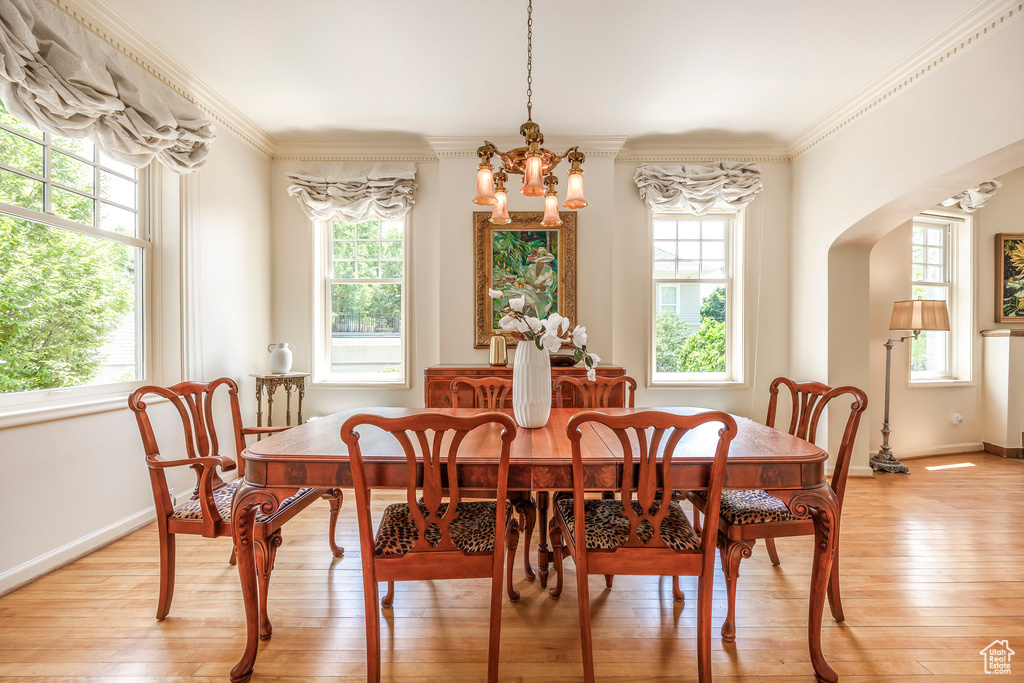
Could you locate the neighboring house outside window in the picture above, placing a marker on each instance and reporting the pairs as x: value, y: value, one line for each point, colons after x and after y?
x: 695, y: 323
x: 940, y: 256
x: 73, y: 247
x: 363, y: 331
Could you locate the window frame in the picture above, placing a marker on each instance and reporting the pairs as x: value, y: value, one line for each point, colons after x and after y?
x: 734, y: 290
x: 959, y: 302
x: 323, y: 238
x: 17, y: 405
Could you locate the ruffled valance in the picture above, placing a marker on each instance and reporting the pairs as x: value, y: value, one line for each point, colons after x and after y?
x: 698, y: 188
x: 976, y: 197
x: 60, y: 78
x: 354, y: 191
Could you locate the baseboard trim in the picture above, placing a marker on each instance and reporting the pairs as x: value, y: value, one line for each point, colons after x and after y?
x: 17, y: 577
x: 911, y: 453
x: 26, y: 573
x: 1004, y: 451
x: 859, y: 471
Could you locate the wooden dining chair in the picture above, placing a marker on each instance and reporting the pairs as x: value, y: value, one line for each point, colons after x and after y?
x: 208, y: 512
x: 434, y: 536
x: 650, y: 535
x: 495, y: 393
x: 746, y: 515
x: 600, y: 393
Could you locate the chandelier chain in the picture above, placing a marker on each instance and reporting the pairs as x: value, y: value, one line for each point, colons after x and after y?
x: 529, y: 61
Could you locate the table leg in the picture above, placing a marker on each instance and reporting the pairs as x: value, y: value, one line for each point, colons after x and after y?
x: 821, y: 505
x: 543, y: 555
x: 259, y: 405
x: 270, y: 404
x: 247, y: 503
x: 288, y: 404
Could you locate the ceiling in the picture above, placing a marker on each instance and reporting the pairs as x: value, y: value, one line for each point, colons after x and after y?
x: 331, y: 70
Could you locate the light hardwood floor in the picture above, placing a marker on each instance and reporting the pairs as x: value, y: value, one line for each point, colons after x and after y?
x: 931, y: 574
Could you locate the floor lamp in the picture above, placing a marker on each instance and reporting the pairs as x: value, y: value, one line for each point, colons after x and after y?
x: 916, y: 317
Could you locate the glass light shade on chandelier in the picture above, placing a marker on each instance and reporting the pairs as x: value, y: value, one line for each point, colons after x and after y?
x: 551, y: 218
x: 499, y: 214
x: 533, y: 179
x: 484, y: 185
x: 574, y: 193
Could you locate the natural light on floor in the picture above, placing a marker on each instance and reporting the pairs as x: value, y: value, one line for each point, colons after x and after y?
x: 954, y: 466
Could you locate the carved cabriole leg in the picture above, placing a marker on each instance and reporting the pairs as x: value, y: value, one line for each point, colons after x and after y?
x: 677, y: 590
x: 556, y: 543
x: 732, y: 553
x: 834, y: 603
x: 511, y: 544
x: 773, y: 554
x: 389, y: 597
x: 266, y: 551
x: 542, y: 543
x: 527, y: 509
x: 166, y: 571
x: 335, y: 497
x: 246, y: 504
x: 820, y: 504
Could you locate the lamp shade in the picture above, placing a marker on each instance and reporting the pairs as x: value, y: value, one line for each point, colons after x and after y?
x: 919, y: 315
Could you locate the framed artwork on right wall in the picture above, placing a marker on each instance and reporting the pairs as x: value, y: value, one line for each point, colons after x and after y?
x: 1010, y: 277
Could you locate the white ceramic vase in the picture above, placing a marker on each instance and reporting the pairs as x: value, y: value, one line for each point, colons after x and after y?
x: 531, y: 386
x: 280, y: 357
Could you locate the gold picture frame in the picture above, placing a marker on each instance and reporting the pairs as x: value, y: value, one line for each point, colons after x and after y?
x: 525, y: 258
x: 1009, y: 278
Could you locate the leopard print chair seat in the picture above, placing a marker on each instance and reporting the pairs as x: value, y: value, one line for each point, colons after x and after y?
x: 751, y: 507
x: 472, y: 531
x: 607, y: 528
x: 222, y: 498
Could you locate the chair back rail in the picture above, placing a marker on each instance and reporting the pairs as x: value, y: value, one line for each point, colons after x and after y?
x: 808, y: 403
x: 490, y: 393
x: 598, y: 393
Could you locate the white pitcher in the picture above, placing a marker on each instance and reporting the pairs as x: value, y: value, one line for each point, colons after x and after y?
x: 280, y: 357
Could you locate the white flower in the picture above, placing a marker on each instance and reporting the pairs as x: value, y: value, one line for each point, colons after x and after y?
x: 551, y: 342
x: 579, y: 336
x: 517, y: 303
x: 553, y: 322
x: 564, y: 326
x: 533, y: 325
x: 508, y: 323
x: 522, y: 326
x: 495, y: 293
x: 595, y: 358
x: 592, y: 375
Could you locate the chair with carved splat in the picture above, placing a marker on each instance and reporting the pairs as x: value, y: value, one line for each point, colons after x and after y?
x: 600, y: 393
x: 644, y: 531
x: 495, y: 393
x: 746, y: 516
x: 435, y: 535
x: 208, y: 512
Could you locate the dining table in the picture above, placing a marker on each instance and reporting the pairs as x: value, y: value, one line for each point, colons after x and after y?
x: 313, y: 455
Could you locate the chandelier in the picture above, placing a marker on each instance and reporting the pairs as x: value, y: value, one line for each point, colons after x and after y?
x: 532, y: 161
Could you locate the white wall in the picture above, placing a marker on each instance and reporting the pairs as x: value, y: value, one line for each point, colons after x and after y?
x: 959, y: 125
x: 72, y: 484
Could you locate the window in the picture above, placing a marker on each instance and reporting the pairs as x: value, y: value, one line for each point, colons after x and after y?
x: 939, y: 269
x: 73, y: 244
x: 363, y: 336
x: 695, y: 322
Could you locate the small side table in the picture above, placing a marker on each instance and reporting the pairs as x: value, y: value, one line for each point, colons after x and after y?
x: 290, y: 381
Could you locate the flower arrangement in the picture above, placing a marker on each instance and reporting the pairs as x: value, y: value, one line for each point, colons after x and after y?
x: 548, y: 334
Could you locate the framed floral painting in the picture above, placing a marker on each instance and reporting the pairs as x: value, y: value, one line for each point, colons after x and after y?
x: 1010, y: 277
x: 523, y: 258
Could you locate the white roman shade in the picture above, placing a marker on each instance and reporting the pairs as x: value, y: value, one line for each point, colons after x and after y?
x: 61, y: 78
x: 698, y: 188
x: 354, y: 191
x: 976, y: 197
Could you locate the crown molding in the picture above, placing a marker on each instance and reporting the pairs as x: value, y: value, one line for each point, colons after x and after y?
x: 674, y: 152
x: 363, y: 150
x: 123, y: 37
x: 466, y: 146
x: 970, y: 29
